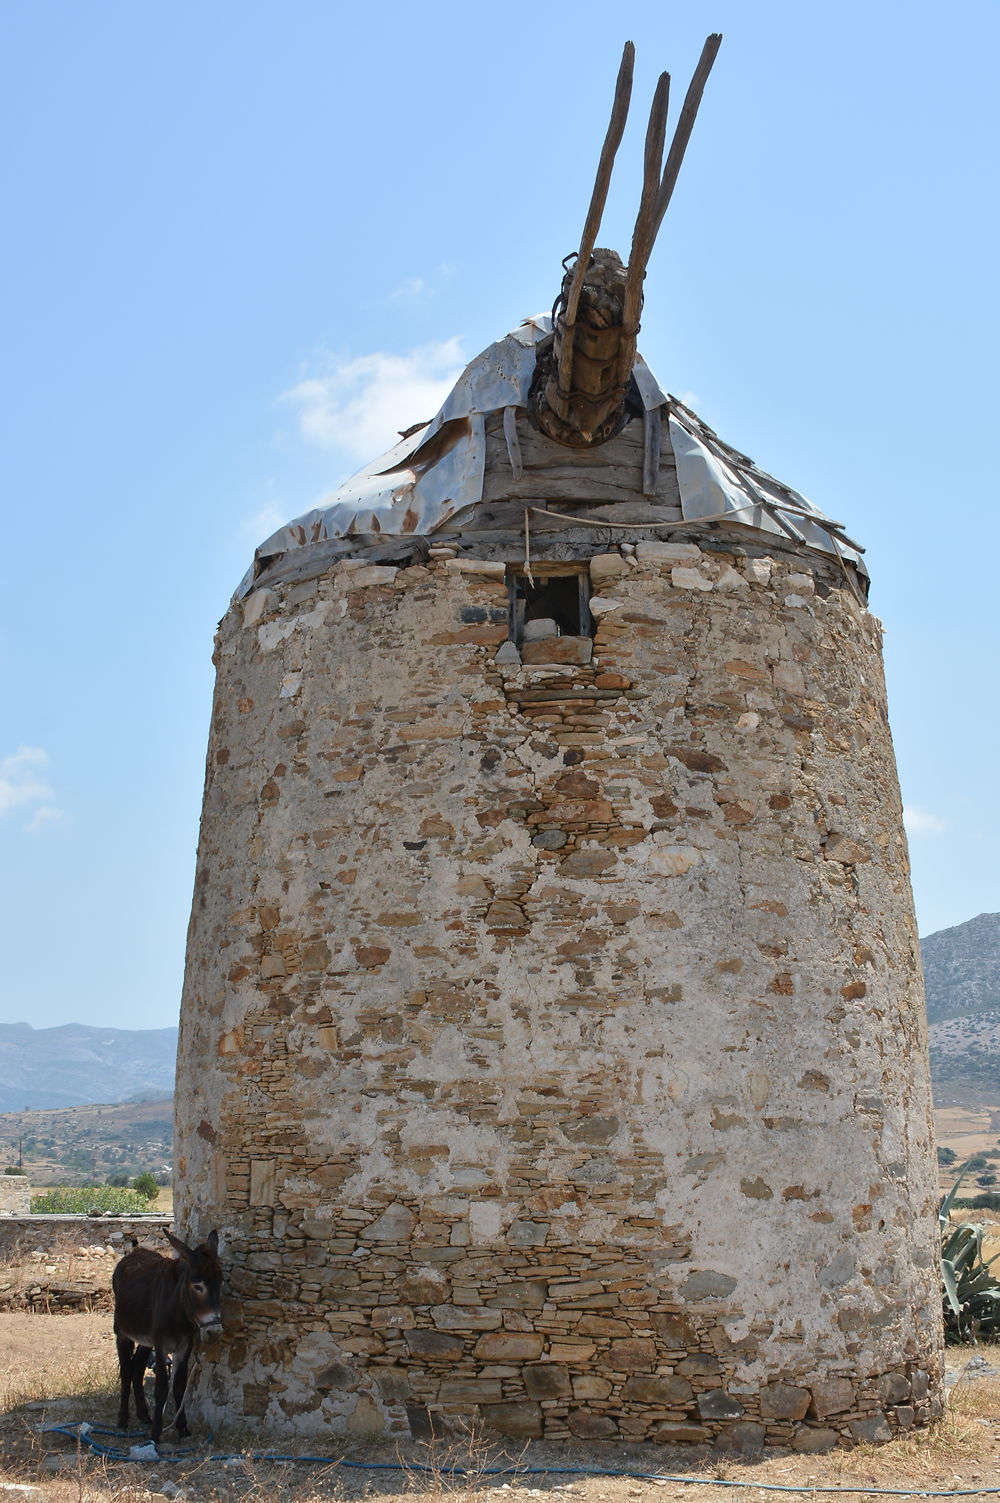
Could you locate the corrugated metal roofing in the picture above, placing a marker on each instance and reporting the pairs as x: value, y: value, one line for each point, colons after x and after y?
x: 437, y: 471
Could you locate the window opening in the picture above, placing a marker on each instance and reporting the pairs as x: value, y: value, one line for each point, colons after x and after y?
x: 554, y: 605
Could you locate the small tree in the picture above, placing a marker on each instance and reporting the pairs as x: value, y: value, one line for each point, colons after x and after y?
x: 119, y: 1181
x: 946, y: 1156
x: 146, y: 1185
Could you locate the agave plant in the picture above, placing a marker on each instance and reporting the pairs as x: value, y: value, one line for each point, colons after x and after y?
x: 971, y: 1292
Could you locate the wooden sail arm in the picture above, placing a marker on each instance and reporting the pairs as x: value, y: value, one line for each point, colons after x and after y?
x: 653, y: 206
x: 599, y: 197
x: 582, y: 375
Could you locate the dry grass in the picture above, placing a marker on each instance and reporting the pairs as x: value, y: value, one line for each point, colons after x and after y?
x: 61, y: 1369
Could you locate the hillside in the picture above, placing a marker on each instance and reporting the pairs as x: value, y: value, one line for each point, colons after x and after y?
x: 962, y: 968
x: 75, y: 1064
x: 86, y: 1144
x: 962, y: 980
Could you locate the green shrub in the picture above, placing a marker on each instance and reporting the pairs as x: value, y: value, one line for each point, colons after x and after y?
x: 89, y: 1200
x: 946, y: 1156
x: 11, y: 1169
x: 971, y: 1298
x: 145, y: 1184
x: 989, y: 1200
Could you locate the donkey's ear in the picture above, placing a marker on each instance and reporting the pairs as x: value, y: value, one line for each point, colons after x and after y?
x: 212, y: 1242
x: 177, y: 1244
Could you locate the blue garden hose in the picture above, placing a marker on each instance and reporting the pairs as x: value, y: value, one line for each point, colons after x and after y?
x: 85, y: 1434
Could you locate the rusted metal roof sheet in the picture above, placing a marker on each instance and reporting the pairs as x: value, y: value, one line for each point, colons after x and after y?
x: 437, y: 471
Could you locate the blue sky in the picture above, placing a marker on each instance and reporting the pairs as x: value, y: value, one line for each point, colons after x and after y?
x: 247, y: 242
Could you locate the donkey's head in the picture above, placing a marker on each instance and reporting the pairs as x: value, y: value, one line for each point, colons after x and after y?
x: 201, y: 1282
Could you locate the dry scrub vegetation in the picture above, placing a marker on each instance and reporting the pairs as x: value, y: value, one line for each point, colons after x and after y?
x: 59, y: 1369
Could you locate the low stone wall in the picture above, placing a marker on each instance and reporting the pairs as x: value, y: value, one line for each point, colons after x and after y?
x: 39, y: 1233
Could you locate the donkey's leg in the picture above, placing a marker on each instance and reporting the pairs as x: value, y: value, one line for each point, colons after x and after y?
x: 125, y: 1350
x: 139, y: 1364
x: 180, y: 1384
x: 160, y: 1388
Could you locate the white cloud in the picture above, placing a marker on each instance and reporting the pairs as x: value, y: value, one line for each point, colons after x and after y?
x: 359, y: 405
x: 23, y: 784
x: 921, y: 822
x: 411, y: 289
x: 264, y: 522
x: 45, y: 817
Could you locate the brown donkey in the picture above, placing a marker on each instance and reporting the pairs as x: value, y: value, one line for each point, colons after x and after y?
x: 162, y: 1305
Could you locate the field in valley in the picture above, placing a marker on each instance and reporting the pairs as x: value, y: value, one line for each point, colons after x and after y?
x: 85, y: 1144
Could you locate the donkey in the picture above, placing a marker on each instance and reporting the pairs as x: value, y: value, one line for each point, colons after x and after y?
x: 162, y: 1305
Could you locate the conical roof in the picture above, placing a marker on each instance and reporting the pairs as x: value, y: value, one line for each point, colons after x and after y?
x: 436, y: 472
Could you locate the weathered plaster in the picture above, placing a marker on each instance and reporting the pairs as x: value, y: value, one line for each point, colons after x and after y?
x: 552, y: 1046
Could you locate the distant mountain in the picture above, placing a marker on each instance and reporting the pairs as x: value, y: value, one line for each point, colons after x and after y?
x: 75, y: 1065
x: 962, y: 982
x: 962, y: 968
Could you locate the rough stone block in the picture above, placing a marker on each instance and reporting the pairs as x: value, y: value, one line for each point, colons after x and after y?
x: 717, y: 1404
x: 680, y: 1434
x: 591, y: 1388
x: 547, y: 1380
x: 592, y: 1426
x: 699, y: 1365
x: 392, y: 1318
x: 462, y: 1318
x: 521, y: 1419
x: 509, y: 1346
x: 893, y: 1388
x: 635, y: 1354
x: 526, y: 1294
x: 484, y: 568
x: 666, y: 553
x: 689, y: 579
x: 540, y: 629
x: 676, y: 1330
x: 706, y: 1283
x: 434, y: 1344
x: 395, y: 1224
x: 871, y: 1428
x: 371, y: 574
x: 527, y: 1234
x: 782, y: 1401
x: 668, y: 1391
x: 588, y: 862
x: 746, y: 1439
x: 336, y: 1375
x: 558, y: 650
x: 605, y: 568
x: 258, y: 605
x: 812, y: 1440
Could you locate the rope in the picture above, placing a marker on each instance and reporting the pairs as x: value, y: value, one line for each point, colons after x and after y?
x: 83, y: 1434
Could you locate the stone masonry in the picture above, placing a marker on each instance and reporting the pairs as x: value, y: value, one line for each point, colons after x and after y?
x: 15, y: 1195
x: 552, y: 1051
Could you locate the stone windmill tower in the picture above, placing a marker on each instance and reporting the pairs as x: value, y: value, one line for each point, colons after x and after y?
x: 552, y: 1048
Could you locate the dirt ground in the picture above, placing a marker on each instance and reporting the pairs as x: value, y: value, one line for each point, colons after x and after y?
x: 60, y: 1369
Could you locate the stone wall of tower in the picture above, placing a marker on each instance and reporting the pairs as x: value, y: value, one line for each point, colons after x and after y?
x: 552, y: 1047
